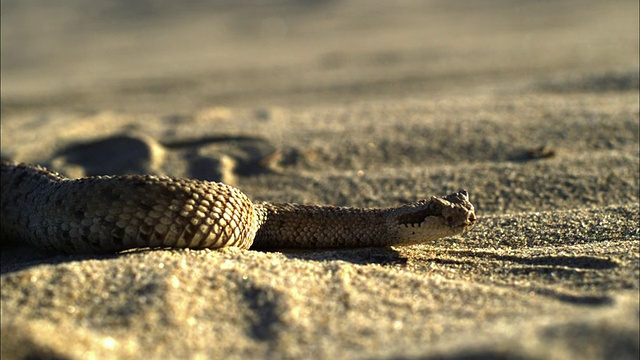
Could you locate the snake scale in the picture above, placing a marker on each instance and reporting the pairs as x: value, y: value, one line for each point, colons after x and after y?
x: 104, y: 214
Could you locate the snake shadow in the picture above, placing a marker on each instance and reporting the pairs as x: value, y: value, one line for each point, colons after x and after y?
x: 358, y: 256
x: 14, y: 258
x: 17, y: 257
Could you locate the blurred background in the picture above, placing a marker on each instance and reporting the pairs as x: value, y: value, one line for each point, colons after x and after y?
x: 171, y: 57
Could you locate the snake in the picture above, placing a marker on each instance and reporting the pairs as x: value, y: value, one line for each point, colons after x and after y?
x: 109, y: 214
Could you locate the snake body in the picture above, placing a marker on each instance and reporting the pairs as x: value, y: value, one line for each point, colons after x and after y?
x: 112, y: 213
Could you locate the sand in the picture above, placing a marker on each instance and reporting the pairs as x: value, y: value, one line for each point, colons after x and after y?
x: 532, y: 107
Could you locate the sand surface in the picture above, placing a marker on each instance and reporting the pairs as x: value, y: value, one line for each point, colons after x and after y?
x: 530, y: 106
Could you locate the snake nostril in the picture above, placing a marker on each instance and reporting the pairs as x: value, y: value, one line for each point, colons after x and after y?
x: 471, y: 218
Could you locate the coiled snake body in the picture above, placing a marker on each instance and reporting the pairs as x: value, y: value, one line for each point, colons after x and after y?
x: 112, y: 213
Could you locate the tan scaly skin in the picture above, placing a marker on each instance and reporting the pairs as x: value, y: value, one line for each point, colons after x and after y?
x: 112, y: 213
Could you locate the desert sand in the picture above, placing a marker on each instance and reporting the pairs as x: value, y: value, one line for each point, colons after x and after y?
x: 530, y: 106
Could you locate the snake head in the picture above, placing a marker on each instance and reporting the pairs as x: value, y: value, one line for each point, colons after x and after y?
x: 434, y: 218
x: 459, y: 212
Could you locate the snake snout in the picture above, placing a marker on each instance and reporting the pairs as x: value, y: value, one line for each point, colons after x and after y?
x: 461, y: 219
x: 471, y: 220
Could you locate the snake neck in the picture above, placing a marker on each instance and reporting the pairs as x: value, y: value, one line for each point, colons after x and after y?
x: 309, y: 226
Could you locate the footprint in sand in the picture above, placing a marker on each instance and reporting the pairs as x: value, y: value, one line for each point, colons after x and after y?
x: 213, y: 158
x: 118, y: 154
